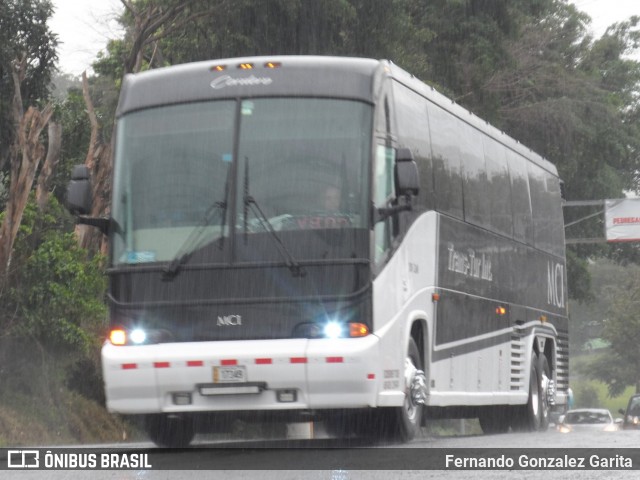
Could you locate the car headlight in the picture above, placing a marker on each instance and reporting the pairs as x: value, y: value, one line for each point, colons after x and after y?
x: 564, y: 428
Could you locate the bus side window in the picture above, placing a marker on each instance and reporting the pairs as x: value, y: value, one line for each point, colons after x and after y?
x: 383, y: 191
x: 445, y: 139
x: 520, y: 197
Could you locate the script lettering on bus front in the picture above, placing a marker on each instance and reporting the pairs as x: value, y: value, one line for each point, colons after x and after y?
x: 470, y: 264
x: 229, y: 81
x: 555, y: 284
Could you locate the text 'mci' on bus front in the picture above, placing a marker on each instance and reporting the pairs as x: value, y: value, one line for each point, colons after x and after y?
x: 330, y: 239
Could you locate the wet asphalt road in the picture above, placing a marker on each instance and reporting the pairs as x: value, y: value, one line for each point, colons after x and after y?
x: 345, y: 460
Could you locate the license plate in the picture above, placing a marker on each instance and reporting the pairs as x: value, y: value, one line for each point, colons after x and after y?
x: 230, y: 374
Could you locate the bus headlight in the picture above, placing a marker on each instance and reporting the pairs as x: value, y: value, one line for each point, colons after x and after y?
x: 138, y: 336
x: 345, y: 330
x: 333, y: 330
x: 121, y: 336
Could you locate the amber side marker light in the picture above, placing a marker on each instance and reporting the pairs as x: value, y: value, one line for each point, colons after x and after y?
x: 501, y: 310
x: 245, y: 66
x: 272, y: 65
x: 118, y: 336
x: 218, y: 68
x: 358, y: 330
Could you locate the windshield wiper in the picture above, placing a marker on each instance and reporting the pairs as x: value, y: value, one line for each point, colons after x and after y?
x: 189, y: 246
x: 250, y: 202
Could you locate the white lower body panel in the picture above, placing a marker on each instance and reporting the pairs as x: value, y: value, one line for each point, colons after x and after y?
x: 313, y: 374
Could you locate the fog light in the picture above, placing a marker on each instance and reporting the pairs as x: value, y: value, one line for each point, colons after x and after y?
x: 286, y: 396
x: 182, y: 398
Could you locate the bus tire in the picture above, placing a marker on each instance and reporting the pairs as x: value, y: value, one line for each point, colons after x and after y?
x: 403, y: 423
x: 173, y: 431
x: 528, y: 417
x: 544, y: 372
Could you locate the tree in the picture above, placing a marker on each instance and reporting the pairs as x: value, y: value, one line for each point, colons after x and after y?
x: 619, y: 366
x: 27, y: 60
x: 26, y: 154
x: 24, y: 33
x: 53, y: 307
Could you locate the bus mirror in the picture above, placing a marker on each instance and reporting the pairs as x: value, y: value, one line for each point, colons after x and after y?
x: 407, y: 178
x: 79, y: 191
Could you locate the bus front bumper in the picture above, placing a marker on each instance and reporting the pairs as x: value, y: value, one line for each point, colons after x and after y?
x: 291, y: 374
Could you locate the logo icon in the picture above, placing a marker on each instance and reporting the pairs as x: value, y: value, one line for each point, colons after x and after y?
x: 229, y: 320
x: 23, y: 459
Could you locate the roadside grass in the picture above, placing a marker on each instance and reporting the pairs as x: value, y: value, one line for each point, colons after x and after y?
x: 69, y: 418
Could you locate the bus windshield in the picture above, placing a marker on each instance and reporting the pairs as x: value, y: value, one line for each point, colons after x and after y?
x: 297, y: 166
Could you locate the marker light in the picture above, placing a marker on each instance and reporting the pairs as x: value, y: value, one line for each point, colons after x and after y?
x: 245, y: 66
x: 501, y: 310
x: 358, y: 330
x: 138, y: 336
x: 333, y: 330
x: 272, y: 64
x: 118, y: 336
x: 218, y: 68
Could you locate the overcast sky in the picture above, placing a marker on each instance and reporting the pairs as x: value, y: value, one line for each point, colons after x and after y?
x: 85, y: 26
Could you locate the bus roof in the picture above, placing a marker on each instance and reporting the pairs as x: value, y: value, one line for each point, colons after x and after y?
x: 318, y: 76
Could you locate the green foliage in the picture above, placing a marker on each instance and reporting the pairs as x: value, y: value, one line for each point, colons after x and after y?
x: 24, y: 30
x: 76, y: 132
x: 56, y: 291
x: 595, y: 394
x: 578, y: 277
x: 619, y: 366
x: 586, y: 396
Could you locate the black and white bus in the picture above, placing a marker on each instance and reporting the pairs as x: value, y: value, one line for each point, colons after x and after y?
x: 326, y: 238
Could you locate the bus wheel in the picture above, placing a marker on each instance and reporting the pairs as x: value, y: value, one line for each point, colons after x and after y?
x: 544, y: 379
x: 404, y: 422
x: 528, y: 418
x: 172, y: 431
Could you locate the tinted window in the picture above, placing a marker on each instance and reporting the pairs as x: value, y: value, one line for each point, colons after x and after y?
x: 446, y: 161
x: 413, y: 132
x: 476, y: 201
x: 520, y: 198
x: 498, y: 187
x: 548, y: 226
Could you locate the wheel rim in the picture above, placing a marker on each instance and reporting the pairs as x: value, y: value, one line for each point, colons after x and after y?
x: 535, y: 395
x: 415, y: 389
x: 544, y: 397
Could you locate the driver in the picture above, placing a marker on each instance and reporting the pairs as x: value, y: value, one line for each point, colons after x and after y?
x: 331, y: 199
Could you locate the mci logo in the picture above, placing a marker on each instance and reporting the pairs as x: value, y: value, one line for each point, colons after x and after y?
x: 555, y: 284
x: 23, y: 459
x: 229, y: 320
